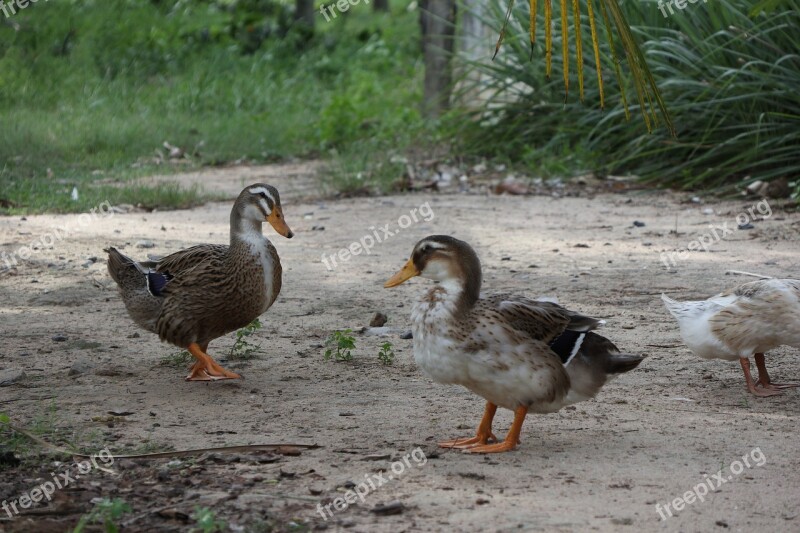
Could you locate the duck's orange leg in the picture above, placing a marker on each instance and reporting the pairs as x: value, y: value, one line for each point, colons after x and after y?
x: 751, y: 385
x: 483, y: 435
x: 206, y: 369
x: 763, y: 376
x: 512, y: 439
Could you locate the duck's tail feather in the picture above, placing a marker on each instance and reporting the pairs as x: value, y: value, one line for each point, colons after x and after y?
x: 671, y: 305
x: 621, y: 363
x: 582, y: 323
x: 134, y: 283
x: 591, y: 361
x: 123, y: 269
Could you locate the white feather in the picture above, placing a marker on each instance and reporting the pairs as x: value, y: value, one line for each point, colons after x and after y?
x: 575, y: 349
x: 262, y: 190
x: 259, y: 247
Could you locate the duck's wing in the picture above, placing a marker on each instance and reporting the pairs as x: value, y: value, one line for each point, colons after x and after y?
x: 767, y: 289
x: 763, y: 314
x: 542, y: 321
x: 187, y: 260
x: 185, y: 266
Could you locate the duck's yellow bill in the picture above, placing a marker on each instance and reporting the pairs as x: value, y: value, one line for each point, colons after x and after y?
x: 407, y: 272
x: 275, y: 219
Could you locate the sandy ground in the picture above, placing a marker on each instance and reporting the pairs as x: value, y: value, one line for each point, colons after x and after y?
x: 603, y: 465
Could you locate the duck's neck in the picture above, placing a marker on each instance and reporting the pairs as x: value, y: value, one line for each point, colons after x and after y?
x: 245, y: 230
x: 458, y: 294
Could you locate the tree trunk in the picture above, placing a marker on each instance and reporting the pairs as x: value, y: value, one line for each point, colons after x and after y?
x: 305, y: 13
x: 437, y: 19
x: 475, y: 44
x: 380, y: 5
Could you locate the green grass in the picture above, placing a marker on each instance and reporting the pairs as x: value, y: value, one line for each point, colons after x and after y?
x: 106, y: 512
x: 92, y: 90
x: 49, y: 426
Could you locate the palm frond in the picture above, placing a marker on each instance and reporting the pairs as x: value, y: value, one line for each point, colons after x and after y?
x: 647, y: 93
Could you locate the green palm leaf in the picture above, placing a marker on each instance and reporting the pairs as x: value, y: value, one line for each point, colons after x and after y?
x: 647, y: 93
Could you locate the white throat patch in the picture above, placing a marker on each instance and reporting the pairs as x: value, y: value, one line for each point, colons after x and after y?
x: 259, y: 247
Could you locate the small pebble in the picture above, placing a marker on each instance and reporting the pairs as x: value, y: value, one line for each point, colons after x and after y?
x: 390, y: 508
x: 79, y: 367
x: 378, y: 320
x: 11, y: 376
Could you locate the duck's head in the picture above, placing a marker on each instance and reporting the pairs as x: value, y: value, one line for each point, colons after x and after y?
x: 447, y: 260
x: 259, y: 203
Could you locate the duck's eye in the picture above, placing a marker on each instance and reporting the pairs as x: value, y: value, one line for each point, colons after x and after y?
x: 263, y: 195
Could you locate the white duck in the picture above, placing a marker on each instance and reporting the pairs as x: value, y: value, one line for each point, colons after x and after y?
x: 749, y: 320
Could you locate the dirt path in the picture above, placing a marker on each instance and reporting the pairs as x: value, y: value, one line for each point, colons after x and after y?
x: 650, y: 436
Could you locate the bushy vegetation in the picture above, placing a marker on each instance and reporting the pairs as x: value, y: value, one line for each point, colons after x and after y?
x: 90, y: 88
x: 729, y: 77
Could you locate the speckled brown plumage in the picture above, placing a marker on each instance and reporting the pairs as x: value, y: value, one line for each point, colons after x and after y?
x: 517, y: 353
x: 204, y: 292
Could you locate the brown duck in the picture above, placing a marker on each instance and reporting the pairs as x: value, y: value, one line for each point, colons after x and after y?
x: 196, y: 295
x: 521, y: 354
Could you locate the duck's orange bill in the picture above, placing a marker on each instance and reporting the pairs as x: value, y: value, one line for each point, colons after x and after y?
x: 275, y: 219
x: 407, y: 272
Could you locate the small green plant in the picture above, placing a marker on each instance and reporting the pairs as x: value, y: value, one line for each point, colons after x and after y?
x: 241, y: 348
x: 106, y: 511
x: 176, y: 360
x: 386, y: 353
x: 339, y: 345
x: 43, y: 424
x: 207, y: 521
